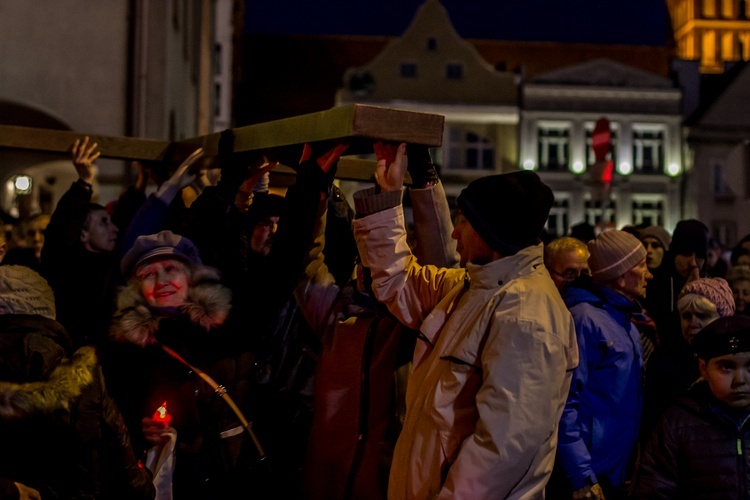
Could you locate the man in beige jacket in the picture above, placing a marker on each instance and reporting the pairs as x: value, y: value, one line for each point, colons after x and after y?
x: 492, y: 368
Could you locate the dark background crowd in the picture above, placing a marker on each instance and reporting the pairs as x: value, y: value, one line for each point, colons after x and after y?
x: 225, y: 341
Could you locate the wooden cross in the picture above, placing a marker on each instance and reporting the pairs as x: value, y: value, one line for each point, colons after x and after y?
x: 357, y: 125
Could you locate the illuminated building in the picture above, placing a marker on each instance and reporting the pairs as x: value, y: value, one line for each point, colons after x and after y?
x: 711, y: 31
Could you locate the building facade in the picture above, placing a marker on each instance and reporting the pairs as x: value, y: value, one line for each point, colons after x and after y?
x: 712, y: 31
x: 432, y: 69
x: 718, y: 140
x: 558, y: 115
x: 497, y: 122
x: 124, y: 68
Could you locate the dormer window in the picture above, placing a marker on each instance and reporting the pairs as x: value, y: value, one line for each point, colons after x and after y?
x: 431, y: 44
x: 454, y: 71
x: 408, y: 70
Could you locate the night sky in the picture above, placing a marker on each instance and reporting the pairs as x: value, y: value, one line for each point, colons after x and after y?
x: 629, y: 22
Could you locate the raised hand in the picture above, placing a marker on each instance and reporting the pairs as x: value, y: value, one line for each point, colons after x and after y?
x: 391, y: 169
x: 154, y: 431
x: 185, y: 175
x: 83, y: 157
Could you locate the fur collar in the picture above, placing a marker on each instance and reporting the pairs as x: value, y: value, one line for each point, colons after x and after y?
x: 58, y: 393
x: 207, y: 305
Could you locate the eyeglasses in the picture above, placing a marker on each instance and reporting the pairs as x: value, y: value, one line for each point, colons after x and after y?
x: 570, y: 274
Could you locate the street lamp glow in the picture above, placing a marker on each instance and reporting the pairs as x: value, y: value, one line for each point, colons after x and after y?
x: 673, y: 169
x: 528, y: 165
x: 625, y: 168
x: 577, y: 168
x: 22, y: 183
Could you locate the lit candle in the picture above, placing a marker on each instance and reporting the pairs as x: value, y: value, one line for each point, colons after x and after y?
x: 161, y: 415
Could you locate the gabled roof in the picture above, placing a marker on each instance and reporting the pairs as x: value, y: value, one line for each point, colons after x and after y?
x: 725, y: 99
x: 603, y: 73
x: 430, y: 45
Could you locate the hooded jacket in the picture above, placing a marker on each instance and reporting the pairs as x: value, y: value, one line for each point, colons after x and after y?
x: 698, y: 450
x: 599, y: 426
x: 61, y: 432
x: 490, y: 372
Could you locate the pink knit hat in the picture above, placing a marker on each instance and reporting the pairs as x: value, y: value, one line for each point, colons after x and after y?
x: 715, y: 290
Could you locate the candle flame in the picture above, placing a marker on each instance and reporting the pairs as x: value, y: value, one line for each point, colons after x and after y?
x: 162, y: 410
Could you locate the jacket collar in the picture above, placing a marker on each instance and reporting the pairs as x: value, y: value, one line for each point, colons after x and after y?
x: 501, y: 271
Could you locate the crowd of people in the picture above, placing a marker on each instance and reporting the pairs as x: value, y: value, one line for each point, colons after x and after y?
x: 225, y: 342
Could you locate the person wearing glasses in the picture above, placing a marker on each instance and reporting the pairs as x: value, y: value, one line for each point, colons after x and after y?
x: 566, y: 259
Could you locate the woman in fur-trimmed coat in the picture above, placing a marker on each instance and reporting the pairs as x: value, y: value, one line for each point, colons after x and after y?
x: 60, y: 431
x: 173, y: 300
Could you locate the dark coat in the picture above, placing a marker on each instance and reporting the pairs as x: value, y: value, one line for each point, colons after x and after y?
x: 84, y: 282
x: 143, y: 376
x: 697, y: 450
x: 61, y: 433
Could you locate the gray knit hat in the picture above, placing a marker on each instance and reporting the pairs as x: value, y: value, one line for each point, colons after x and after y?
x: 715, y: 290
x: 659, y: 233
x: 24, y: 291
x: 613, y: 253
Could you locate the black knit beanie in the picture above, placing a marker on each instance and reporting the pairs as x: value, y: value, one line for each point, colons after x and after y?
x: 264, y: 205
x: 690, y: 236
x: 508, y: 210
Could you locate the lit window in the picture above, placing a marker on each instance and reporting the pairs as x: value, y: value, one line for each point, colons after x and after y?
x: 554, y: 143
x: 467, y: 150
x: 648, y: 150
x: 594, y: 212
x: 648, y: 211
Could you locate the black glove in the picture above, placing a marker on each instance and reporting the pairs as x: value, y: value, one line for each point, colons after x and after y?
x: 231, y: 172
x: 420, y: 166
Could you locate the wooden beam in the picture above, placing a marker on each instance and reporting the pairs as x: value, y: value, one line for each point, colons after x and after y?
x: 358, y: 125
x: 349, y: 169
x: 60, y: 141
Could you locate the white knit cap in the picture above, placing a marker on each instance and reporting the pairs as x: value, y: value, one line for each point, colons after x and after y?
x: 24, y: 291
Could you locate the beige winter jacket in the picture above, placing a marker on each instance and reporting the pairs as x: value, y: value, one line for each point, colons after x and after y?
x: 490, y: 378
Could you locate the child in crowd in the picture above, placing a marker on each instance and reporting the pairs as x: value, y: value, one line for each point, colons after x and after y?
x: 700, y: 447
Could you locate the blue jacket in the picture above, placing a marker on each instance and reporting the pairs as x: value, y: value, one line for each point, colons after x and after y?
x: 599, y: 425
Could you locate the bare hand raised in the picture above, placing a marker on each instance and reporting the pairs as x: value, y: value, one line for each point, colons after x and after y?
x: 83, y: 157
x: 391, y: 169
x: 185, y: 175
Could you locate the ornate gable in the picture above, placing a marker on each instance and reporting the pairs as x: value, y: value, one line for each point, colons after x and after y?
x: 430, y: 62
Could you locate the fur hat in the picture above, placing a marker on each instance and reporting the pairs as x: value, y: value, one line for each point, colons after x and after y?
x: 613, y: 253
x: 24, y: 291
x: 728, y: 335
x: 508, y: 210
x: 715, y: 290
x: 658, y: 233
x: 163, y: 244
x: 690, y: 236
